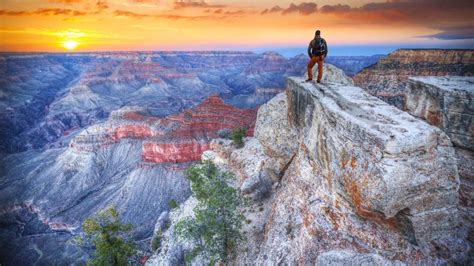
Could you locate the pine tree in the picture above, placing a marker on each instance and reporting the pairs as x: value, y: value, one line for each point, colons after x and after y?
x: 109, y: 237
x: 215, y: 227
x: 238, y: 135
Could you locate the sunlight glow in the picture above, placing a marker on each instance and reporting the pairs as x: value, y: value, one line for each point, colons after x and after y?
x: 70, y: 44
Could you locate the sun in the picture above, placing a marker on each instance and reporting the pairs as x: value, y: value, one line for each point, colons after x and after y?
x: 70, y: 44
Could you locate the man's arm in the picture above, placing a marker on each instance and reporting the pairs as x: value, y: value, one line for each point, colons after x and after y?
x: 309, y: 50
x: 326, y: 51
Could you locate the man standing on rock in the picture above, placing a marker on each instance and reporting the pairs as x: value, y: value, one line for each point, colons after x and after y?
x: 317, y: 52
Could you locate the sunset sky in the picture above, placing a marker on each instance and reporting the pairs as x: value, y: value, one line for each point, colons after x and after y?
x: 111, y: 25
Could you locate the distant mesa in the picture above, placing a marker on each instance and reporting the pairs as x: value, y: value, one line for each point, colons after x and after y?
x: 389, y: 77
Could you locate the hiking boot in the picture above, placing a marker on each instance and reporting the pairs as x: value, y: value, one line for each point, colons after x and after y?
x: 308, y: 80
x: 319, y: 81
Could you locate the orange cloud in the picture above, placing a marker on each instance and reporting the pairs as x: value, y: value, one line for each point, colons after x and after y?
x: 44, y: 12
x: 335, y: 8
x: 125, y: 13
x: 434, y: 14
x: 425, y: 12
x: 305, y: 8
x: 194, y: 4
x: 101, y: 5
x: 67, y: 2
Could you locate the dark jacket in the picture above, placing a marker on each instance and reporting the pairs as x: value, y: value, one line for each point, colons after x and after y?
x: 318, y: 47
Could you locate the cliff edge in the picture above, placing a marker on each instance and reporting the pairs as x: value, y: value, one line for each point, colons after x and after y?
x: 336, y: 174
x: 388, y: 78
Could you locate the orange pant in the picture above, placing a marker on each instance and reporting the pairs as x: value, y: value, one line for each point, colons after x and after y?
x: 315, y: 59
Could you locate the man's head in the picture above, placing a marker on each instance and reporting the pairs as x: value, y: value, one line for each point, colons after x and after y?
x: 317, y: 34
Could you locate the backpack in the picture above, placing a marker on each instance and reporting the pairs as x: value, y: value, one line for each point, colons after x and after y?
x: 318, y: 46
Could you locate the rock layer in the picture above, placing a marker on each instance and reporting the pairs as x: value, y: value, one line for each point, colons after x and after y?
x: 448, y: 103
x: 388, y: 78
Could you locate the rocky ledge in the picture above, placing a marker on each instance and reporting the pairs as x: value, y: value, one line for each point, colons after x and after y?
x: 448, y: 103
x: 337, y: 173
x: 388, y: 78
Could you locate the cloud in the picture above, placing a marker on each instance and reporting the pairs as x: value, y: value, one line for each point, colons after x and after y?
x: 228, y: 12
x: 416, y: 11
x: 178, y: 4
x: 125, y: 13
x: 453, y: 33
x: 274, y: 9
x: 101, y: 5
x: 305, y: 8
x: 67, y: 2
x: 145, y: 1
x: 4, y: 12
x: 432, y: 13
x: 44, y: 12
x: 334, y: 8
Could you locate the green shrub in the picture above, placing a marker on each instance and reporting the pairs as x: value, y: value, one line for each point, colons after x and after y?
x: 215, y: 228
x: 113, y: 246
x: 172, y: 204
x: 156, y: 241
x: 238, y: 135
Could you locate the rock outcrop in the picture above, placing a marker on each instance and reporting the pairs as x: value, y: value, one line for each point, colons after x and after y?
x: 448, y: 103
x: 388, y: 78
x: 341, y: 175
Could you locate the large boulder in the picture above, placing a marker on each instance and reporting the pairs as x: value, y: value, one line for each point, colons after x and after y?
x: 380, y: 159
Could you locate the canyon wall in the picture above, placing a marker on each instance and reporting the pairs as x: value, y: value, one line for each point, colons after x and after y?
x: 134, y: 161
x: 335, y: 174
x: 388, y: 78
x: 448, y: 103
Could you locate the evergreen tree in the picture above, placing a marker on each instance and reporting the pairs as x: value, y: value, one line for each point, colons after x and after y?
x: 215, y: 227
x: 109, y: 237
x: 238, y: 135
